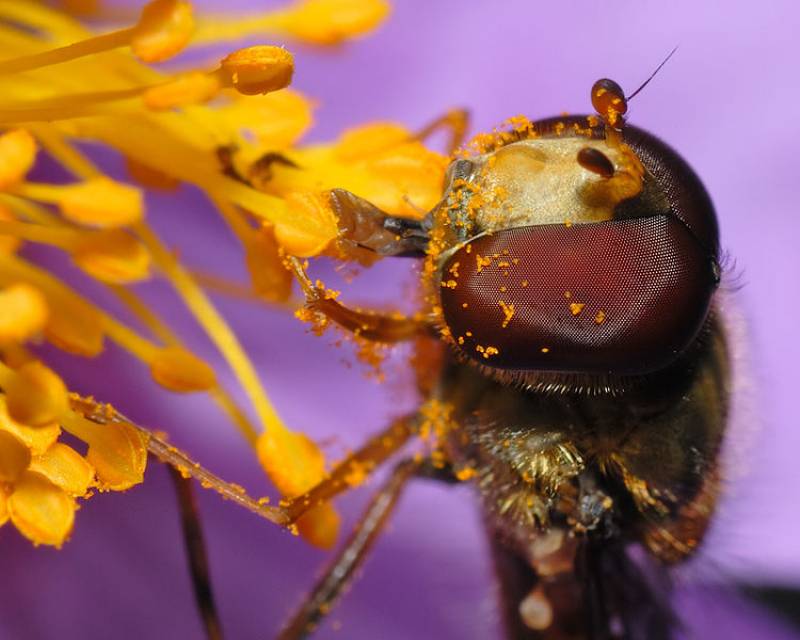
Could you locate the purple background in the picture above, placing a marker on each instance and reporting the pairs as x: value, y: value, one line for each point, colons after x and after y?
x: 727, y: 101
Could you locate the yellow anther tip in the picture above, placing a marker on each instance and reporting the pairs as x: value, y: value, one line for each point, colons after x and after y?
x: 24, y: 313
x: 119, y: 457
x: 17, y: 155
x: 15, y: 456
x: 163, y: 30
x: 292, y: 460
x: 315, y: 208
x: 329, y: 22
x: 35, y: 395
x: 112, y: 256
x: 41, y: 511
x: 37, y: 439
x: 65, y: 468
x: 259, y: 69
x: 76, y: 331
x: 178, y: 370
x: 101, y: 202
x: 320, y: 526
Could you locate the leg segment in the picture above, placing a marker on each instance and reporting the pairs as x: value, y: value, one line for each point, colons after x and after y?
x: 196, y: 552
x: 355, y: 550
x: 370, y: 325
x: 355, y: 467
x: 456, y: 121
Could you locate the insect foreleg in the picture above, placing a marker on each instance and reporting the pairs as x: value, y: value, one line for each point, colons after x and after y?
x: 353, y: 469
x: 336, y: 577
x: 192, y: 531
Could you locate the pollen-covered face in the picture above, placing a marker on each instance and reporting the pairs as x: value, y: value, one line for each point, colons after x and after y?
x: 541, y: 181
x: 576, y: 250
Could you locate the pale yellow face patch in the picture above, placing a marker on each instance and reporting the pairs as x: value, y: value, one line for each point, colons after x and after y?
x: 539, y: 181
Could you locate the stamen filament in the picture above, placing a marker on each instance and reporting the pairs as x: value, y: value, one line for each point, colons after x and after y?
x: 165, y: 334
x: 13, y: 269
x: 61, y: 237
x: 66, y: 154
x: 87, y: 47
x: 215, y: 326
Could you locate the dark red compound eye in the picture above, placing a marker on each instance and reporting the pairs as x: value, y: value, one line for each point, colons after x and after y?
x: 623, y: 297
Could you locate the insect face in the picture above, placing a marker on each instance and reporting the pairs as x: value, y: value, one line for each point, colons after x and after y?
x: 576, y: 247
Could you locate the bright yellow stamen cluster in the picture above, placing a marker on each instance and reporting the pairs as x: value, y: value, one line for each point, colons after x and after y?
x: 212, y: 128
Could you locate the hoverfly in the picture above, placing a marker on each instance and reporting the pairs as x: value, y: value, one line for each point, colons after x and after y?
x: 570, y: 269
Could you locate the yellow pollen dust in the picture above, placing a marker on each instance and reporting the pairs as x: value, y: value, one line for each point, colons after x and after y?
x: 508, y: 312
x: 487, y: 352
x: 465, y: 473
x: 576, y: 307
x: 600, y: 317
x: 482, y: 263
